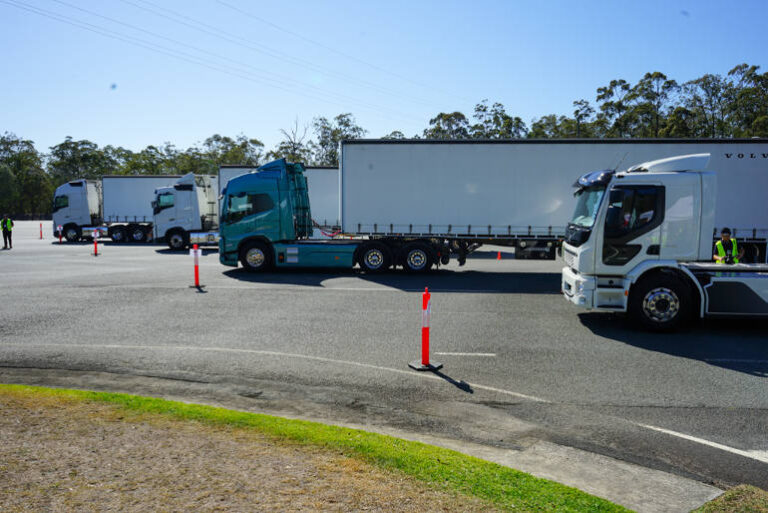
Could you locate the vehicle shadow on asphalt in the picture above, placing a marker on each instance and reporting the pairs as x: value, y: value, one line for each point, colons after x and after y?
x: 443, y: 281
x: 736, y: 344
x: 168, y: 251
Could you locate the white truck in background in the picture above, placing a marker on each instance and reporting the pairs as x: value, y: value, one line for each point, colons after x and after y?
x: 187, y: 212
x: 641, y: 241
x: 116, y: 206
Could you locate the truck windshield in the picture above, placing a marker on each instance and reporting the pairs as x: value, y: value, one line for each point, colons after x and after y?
x: 587, y: 203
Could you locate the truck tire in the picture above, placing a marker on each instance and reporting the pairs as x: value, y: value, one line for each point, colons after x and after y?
x: 176, y: 240
x: 661, y: 302
x: 119, y: 234
x: 416, y: 258
x: 72, y: 233
x: 256, y: 257
x: 136, y: 233
x: 374, y: 257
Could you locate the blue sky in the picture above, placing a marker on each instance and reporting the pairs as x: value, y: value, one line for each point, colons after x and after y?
x: 140, y: 72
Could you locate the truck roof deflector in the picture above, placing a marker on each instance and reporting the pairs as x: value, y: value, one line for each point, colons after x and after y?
x: 697, y: 162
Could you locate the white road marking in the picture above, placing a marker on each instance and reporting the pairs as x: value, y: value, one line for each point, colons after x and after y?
x: 761, y: 456
x: 411, y: 373
x: 466, y: 354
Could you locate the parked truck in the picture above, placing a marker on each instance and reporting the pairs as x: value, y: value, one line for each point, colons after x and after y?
x: 115, y: 206
x: 641, y: 241
x: 187, y: 212
x: 418, y: 204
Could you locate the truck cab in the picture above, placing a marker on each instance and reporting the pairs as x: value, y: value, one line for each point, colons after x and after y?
x: 640, y: 241
x: 76, y: 205
x: 266, y: 222
x: 186, y: 213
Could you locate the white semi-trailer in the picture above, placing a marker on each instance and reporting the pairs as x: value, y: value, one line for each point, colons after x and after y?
x: 516, y: 192
x: 641, y: 241
x: 117, y: 206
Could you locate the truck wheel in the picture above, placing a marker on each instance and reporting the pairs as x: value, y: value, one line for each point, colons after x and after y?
x: 176, y: 240
x: 136, y: 233
x: 256, y: 257
x: 72, y: 233
x: 661, y: 302
x: 119, y: 234
x: 374, y: 257
x: 416, y: 258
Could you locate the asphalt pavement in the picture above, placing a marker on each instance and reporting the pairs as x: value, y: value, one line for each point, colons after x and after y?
x: 528, y: 379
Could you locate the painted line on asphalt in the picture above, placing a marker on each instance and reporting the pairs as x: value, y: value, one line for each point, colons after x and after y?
x: 411, y: 373
x: 761, y: 456
x: 735, y: 360
x: 467, y: 354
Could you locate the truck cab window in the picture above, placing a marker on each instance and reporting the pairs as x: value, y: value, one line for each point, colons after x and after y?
x: 60, y: 202
x: 163, y: 201
x: 632, y: 212
x: 243, y: 205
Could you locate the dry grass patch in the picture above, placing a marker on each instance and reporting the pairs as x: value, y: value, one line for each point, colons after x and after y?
x: 63, y: 454
x: 742, y: 499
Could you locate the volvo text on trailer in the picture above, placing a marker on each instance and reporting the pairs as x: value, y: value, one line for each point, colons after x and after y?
x: 417, y: 204
x: 641, y: 241
x: 117, y: 206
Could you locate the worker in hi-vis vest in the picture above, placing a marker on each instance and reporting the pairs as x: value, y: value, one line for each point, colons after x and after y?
x: 727, y: 251
x: 7, y: 226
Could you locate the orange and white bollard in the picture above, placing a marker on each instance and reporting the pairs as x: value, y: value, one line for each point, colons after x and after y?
x: 41, y: 231
x: 95, y: 243
x: 60, y: 230
x: 195, y: 252
x: 498, y: 255
x: 426, y: 312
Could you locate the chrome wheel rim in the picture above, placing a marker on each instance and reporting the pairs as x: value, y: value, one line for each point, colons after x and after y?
x: 137, y: 235
x: 255, y: 257
x: 417, y: 259
x: 374, y: 259
x: 71, y: 233
x: 176, y: 240
x: 661, y: 304
x: 117, y: 235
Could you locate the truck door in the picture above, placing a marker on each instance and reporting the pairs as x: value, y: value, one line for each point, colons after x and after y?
x: 632, y: 228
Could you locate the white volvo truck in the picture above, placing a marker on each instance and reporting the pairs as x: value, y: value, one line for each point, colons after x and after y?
x: 641, y: 241
x: 117, y: 206
x: 187, y: 212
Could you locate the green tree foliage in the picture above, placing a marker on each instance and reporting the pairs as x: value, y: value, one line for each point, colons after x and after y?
x: 294, y: 147
x: 33, y: 189
x: 70, y: 160
x: 330, y: 134
x: 448, y: 126
x: 494, y: 123
x: 397, y: 134
x: 9, y: 190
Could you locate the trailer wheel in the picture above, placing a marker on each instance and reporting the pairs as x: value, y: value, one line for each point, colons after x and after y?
x: 119, y: 234
x: 416, y: 258
x: 374, y: 257
x: 176, y: 240
x: 256, y: 257
x: 661, y: 302
x: 72, y: 233
x: 136, y: 233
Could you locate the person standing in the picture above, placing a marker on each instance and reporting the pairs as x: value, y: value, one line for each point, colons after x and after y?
x: 7, y: 225
x: 728, y: 251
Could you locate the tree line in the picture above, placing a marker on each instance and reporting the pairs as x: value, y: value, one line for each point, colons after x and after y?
x: 713, y: 106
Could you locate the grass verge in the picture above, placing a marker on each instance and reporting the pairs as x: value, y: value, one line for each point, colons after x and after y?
x: 742, y: 498
x: 443, y: 468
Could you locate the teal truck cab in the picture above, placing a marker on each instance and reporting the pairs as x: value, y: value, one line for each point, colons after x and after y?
x: 266, y: 222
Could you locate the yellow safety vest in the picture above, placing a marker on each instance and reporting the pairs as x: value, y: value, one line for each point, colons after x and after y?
x: 721, y: 251
x: 8, y: 226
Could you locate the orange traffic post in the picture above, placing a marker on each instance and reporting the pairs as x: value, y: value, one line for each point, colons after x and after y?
x: 41, y: 231
x: 498, y: 255
x: 426, y: 311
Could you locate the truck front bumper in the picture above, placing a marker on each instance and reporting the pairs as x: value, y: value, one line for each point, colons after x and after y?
x: 577, y: 288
